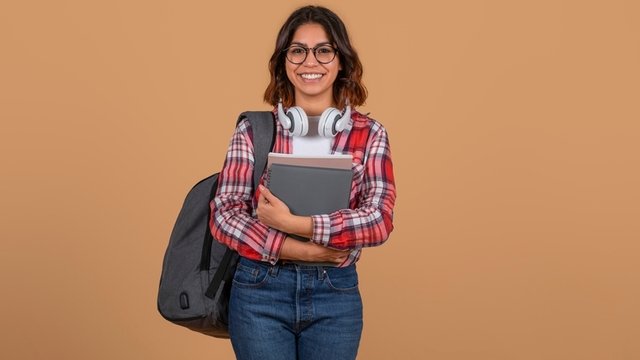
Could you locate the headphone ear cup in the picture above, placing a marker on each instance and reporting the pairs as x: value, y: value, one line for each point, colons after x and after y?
x: 284, y: 119
x: 299, y: 121
x: 341, y: 124
x: 328, y: 121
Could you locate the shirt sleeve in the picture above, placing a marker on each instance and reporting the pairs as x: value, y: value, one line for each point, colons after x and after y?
x: 372, y: 221
x: 233, y: 220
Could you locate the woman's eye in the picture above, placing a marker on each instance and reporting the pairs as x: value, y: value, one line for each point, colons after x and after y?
x: 325, y: 50
x: 297, y: 51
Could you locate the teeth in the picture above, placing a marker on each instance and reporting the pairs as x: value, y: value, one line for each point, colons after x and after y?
x: 311, y: 76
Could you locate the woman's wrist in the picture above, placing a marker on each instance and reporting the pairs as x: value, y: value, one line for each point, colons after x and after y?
x: 293, y: 249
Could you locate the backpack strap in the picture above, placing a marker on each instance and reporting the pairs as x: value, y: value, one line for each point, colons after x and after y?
x: 262, y: 125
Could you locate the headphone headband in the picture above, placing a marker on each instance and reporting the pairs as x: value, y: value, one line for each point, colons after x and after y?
x: 332, y: 121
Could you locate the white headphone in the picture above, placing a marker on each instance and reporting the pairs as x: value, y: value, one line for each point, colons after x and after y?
x: 332, y: 121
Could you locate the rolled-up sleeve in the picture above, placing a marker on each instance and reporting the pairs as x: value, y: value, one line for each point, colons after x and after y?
x: 233, y: 220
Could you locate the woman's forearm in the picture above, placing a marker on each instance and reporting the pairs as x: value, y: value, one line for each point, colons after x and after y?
x: 300, y: 225
x: 293, y: 249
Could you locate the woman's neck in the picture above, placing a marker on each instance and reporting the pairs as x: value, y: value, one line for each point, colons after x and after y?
x: 314, y: 106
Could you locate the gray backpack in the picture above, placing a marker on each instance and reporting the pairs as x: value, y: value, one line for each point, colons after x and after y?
x: 197, y: 270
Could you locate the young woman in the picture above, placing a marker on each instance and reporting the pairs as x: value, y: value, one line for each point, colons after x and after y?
x: 280, y: 307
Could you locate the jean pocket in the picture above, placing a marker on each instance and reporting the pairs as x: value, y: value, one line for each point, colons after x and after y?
x: 342, y: 279
x: 250, y: 274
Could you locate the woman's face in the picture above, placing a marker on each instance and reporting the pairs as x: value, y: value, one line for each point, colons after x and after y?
x: 312, y: 80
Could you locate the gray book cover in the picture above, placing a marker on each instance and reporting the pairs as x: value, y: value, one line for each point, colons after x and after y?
x: 310, y: 190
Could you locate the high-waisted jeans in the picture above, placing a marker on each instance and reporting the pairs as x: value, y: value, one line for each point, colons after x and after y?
x: 290, y: 311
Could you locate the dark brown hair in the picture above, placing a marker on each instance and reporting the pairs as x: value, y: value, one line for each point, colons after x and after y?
x: 348, y: 84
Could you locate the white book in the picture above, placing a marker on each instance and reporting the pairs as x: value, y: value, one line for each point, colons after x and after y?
x: 336, y: 161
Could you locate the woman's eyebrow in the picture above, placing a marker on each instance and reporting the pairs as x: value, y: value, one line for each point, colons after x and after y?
x: 305, y: 45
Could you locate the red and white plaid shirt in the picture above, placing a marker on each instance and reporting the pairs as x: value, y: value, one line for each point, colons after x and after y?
x: 367, y: 222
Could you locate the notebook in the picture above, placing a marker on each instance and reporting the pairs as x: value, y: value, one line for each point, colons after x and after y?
x: 310, y: 190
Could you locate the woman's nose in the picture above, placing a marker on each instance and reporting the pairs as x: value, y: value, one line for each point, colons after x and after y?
x: 311, y: 59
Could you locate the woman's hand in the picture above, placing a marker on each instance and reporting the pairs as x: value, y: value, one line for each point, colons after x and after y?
x: 272, y: 211
x: 293, y: 249
x: 275, y: 214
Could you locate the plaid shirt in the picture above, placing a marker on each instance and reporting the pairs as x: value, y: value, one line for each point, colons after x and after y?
x: 367, y: 222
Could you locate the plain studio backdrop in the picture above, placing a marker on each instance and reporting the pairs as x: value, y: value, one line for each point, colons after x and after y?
x: 515, y: 138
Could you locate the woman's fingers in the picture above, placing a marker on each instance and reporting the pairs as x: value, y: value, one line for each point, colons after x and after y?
x: 272, y: 199
x: 272, y: 211
x: 266, y: 193
x: 262, y: 199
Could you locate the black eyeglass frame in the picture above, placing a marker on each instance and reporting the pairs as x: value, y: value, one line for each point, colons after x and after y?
x: 306, y: 53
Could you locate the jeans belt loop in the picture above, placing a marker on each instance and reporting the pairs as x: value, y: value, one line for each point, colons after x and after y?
x: 274, y: 269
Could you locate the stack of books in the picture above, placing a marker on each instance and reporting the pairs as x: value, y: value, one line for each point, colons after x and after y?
x: 310, y: 185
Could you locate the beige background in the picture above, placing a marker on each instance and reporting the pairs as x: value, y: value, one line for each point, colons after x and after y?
x: 514, y: 130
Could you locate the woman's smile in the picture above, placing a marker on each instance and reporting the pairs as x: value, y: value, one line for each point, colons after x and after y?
x: 311, y: 77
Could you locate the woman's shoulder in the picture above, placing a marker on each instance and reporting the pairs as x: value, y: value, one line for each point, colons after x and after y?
x: 361, y: 121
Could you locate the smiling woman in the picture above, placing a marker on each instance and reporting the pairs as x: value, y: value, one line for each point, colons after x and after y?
x: 283, y: 305
x: 307, y: 32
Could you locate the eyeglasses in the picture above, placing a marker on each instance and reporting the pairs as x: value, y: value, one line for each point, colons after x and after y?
x: 298, y: 54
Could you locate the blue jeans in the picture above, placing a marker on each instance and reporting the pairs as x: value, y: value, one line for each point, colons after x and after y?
x: 290, y: 311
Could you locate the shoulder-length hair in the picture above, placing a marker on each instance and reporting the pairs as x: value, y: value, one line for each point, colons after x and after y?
x: 348, y: 84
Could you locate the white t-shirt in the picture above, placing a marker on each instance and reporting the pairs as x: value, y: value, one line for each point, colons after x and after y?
x: 312, y: 143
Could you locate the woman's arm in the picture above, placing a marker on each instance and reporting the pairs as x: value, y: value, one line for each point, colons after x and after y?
x: 293, y: 249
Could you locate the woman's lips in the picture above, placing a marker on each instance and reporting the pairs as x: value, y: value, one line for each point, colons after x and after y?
x: 311, y: 76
